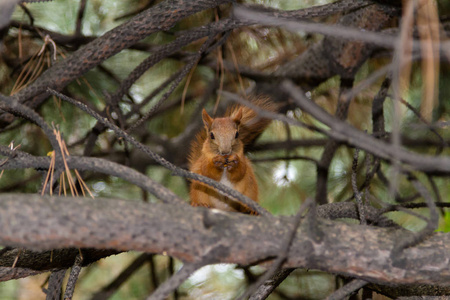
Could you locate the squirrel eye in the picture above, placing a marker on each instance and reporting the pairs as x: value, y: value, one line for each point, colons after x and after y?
x: 237, y: 135
x: 212, y: 135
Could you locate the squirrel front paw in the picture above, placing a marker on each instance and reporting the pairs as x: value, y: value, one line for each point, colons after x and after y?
x: 219, y: 161
x: 231, y: 161
x: 226, y: 161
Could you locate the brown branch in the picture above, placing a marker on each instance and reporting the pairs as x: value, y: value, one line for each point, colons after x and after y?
x: 309, y: 143
x: 249, y: 15
x: 81, y: 11
x: 332, y: 146
x: 348, y: 289
x: 162, y: 16
x: 274, y: 271
x: 22, y: 160
x: 31, y: 263
x: 7, y: 273
x: 73, y: 277
x: 54, y: 285
x: 357, y: 194
x: 43, y: 223
x: 344, y: 132
x: 269, y: 286
x: 163, y: 291
x: 112, y: 287
x: 432, y: 222
x: 181, y: 74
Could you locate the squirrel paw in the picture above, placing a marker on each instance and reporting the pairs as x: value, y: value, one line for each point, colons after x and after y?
x: 231, y: 161
x: 226, y: 161
x: 219, y: 161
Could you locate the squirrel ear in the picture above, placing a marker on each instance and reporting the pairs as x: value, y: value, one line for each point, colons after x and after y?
x: 207, y: 120
x: 237, y: 116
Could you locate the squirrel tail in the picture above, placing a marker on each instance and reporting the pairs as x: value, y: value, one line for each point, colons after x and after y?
x: 252, y: 125
x: 196, y: 147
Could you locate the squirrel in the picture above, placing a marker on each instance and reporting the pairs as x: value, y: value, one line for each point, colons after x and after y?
x: 218, y: 153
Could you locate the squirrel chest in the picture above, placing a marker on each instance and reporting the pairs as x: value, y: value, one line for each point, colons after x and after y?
x: 222, y: 202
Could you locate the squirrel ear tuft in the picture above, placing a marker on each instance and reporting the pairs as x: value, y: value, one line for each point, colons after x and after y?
x: 237, y: 117
x: 207, y: 120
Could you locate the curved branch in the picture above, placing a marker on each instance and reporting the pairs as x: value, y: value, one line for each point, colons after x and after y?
x: 22, y: 160
x: 344, y: 132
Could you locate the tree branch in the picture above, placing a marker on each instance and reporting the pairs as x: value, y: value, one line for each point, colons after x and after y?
x: 344, y: 132
x: 363, y: 252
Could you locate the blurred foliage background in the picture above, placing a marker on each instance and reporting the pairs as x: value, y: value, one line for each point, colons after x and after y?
x: 284, y: 184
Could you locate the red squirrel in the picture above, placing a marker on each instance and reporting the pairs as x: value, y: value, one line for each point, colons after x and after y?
x: 218, y: 153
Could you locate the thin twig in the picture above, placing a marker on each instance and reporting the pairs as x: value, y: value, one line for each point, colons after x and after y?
x: 183, y: 72
x: 54, y: 285
x: 346, y: 133
x: 356, y: 192
x: 348, y: 289
x: 270, y: 285
x: 283, y: 254
x: 432, y: 223
x: 11, y: 105
x: 24, y: 160
x: 112, y: 287
x: 73, y: 277
x: 164, y: 290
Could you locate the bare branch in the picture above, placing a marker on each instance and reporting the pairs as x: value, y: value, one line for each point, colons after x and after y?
x: 157, y: 18
x: 108, y: 290
x: 364, y: 252
x: 22, y: 160
x: 343, y: 132
x: 281, y: 258
x: 73, y: 277
x: 356, y: 192
x: 351, y: 287
x: 54, y: 285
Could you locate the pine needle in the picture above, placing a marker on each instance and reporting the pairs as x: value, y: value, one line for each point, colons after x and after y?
x: 67, y: 172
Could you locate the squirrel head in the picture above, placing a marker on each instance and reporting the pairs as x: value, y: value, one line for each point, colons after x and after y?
x: 222, y: 134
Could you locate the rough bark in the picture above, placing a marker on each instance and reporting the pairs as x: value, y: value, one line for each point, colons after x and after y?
x: 41, y: 223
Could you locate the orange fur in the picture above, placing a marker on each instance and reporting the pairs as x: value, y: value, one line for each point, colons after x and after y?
x: 218, y: 153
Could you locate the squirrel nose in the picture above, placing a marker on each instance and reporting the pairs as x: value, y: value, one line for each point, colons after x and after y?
x: 225, y: 153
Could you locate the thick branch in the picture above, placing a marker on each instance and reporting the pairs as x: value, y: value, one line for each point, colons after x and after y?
x: 43, y: 223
